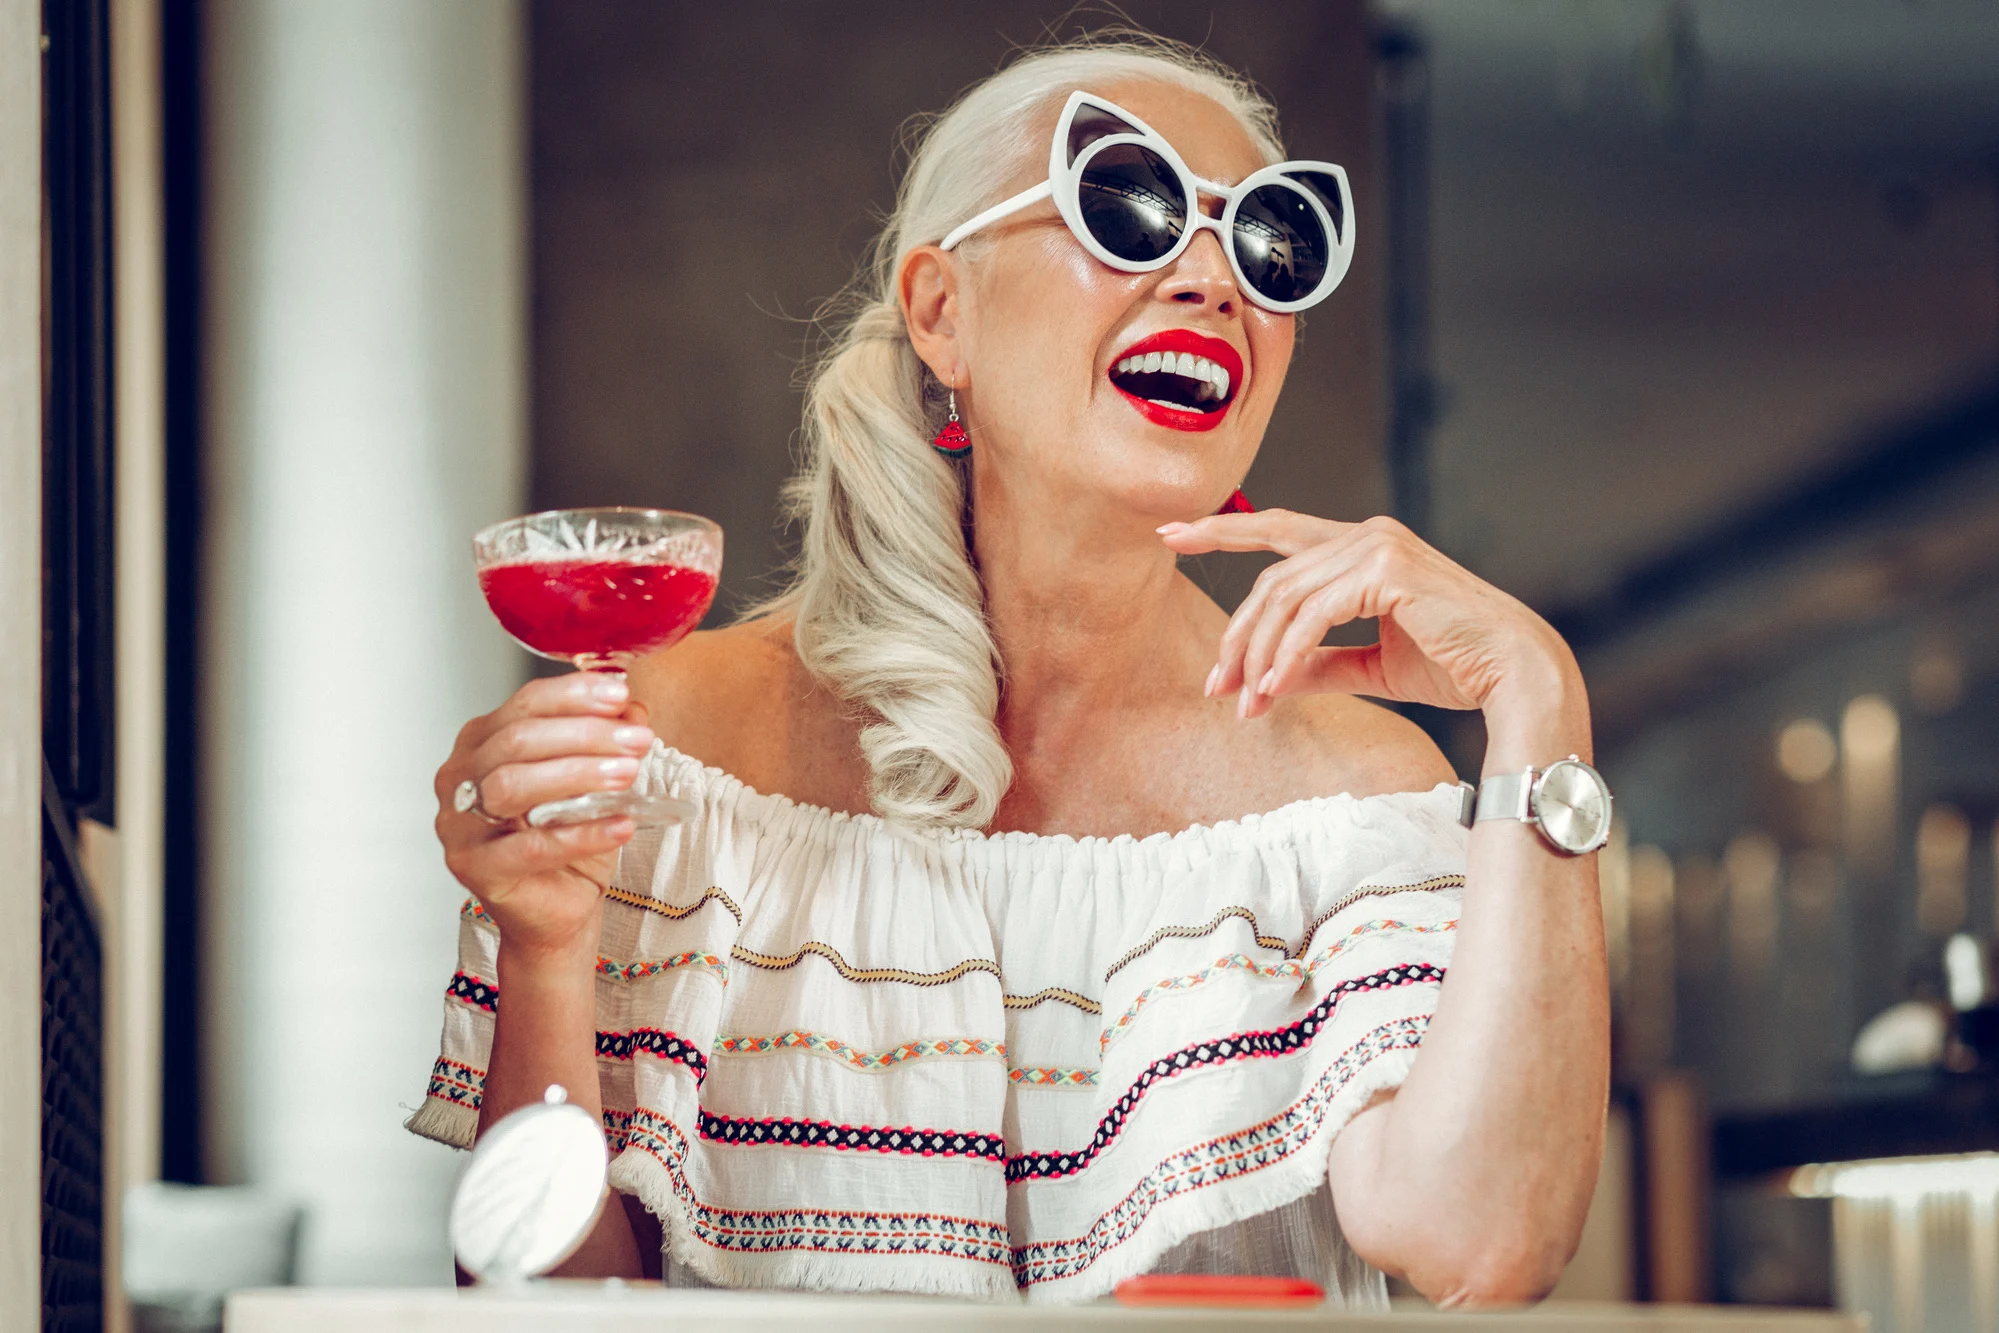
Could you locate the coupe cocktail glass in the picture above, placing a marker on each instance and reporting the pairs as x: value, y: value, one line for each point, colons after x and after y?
x: 600, y: 587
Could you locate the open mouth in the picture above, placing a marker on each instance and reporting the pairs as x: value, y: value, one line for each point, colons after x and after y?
x: 1179, y: 378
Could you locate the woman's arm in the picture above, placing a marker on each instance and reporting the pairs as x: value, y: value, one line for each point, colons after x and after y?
x: 1473, y: 1179
x: 555, y: 738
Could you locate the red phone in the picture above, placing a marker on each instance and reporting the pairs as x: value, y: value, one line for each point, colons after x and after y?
x: 1207, y: 1289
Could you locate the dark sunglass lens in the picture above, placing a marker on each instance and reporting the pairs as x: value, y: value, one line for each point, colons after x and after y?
x: 1327, y: 187
x: 1280, y: 243
x: 1091, y: 123
x: 1132, y: 202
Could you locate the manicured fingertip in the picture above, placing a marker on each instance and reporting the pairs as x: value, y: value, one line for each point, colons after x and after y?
x: 1268, y: 683
x: 610, y: 689
x: 1242, y: 703
x: 1168, y: 529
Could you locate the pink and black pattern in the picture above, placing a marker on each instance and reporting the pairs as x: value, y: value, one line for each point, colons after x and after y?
x: 475, y: 991
x: 815, y: 1229
x: 790, y: 1133
x: 456, y: 1082
x: 1217, y: 1160
x: 1242, y: 1046
x: 654, y: 1042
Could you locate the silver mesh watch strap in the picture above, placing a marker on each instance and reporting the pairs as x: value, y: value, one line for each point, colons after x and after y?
x: 1506, y: 796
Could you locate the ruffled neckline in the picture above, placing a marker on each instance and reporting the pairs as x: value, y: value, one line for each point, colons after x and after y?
x: 718, y: 781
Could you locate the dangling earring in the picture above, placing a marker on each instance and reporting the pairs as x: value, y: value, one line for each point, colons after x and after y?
x: 1237, y: 503
x: 952, y: 442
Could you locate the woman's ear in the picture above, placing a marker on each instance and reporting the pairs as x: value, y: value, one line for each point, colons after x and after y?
x: 927, y: 290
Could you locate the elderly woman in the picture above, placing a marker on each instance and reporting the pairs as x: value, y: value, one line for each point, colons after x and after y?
x: 1040, y: 924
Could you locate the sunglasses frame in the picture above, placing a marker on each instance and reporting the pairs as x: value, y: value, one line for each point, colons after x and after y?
x: 1064, y: 184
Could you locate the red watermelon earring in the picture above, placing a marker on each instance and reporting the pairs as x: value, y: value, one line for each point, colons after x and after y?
x: 952, y: 442
x: 1237, y: 503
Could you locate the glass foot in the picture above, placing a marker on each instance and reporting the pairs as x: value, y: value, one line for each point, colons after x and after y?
x: 645, y: 807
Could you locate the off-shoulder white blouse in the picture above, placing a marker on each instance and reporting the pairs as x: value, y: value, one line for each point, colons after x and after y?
x: 839, y: 1054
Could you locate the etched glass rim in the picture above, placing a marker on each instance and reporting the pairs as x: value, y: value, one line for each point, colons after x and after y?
x: 697, y: 540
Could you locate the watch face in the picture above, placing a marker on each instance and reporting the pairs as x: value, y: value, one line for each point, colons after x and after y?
x: 1572, y: 805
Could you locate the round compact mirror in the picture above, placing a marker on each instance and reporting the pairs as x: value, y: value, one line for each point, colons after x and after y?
x: 532, y: 1191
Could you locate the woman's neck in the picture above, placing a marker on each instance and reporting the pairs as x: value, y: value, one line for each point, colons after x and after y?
x: 1090, y: 617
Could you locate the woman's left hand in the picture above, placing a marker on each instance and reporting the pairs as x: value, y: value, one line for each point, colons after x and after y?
x: 1447, y: 638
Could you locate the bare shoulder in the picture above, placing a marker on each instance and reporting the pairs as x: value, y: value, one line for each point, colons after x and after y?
x: 702, y: 683
x: 1365, y: 749
x: 740, y: 700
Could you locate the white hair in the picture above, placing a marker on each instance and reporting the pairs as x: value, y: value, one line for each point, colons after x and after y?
x: 888, y: 610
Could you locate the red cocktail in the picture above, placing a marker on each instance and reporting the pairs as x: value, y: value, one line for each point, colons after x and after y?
x: 599, y: 587
x: 589, y: 608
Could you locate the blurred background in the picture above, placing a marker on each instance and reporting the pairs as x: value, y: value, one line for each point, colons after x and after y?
x: 1677, y: 318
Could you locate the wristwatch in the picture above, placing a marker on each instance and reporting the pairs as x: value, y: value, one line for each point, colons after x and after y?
x: 1568, y: 801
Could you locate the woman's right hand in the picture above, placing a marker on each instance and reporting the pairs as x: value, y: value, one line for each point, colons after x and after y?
x: 557, y: 737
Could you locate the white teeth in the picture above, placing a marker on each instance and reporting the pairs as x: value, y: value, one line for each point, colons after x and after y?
x: 1211, y: 381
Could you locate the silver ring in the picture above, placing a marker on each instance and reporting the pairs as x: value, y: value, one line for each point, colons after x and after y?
x: 468, y: 800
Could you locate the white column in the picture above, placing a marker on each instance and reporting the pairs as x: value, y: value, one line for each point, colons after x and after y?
x: 366, y: 353
x: 20, y: 663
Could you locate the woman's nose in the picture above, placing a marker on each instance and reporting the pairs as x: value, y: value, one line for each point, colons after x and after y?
x: 1202, y: 276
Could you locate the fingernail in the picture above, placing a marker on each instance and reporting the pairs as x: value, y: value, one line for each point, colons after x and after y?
x: 611, y: 689
x: 1269, y: 680
x: 1214, y: 674
x: 618, y: 768
x: 1165, y: 528
x: 1242, y: 702
x: 635, y: 739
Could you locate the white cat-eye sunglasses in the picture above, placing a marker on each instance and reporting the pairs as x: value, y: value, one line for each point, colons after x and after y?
x: 1132, y: 202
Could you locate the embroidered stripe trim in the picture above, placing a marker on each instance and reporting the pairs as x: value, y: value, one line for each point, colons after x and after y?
x: 1055, y: 993
x: 848, y: 972
x: 1290, y: 970
x: 817, y: 1230
x: 614, y: 969
x: 1054, y: 1078
x: 475, y: 991
x: 654, y: 1042
x: 1433, y: 884
x: 864, y: 975
x: 870, y: 1061
x: 639, y: 969
x: 1165, y: 933
x: 1242, y: 1046
x: 1219, y: 1159
x: 791, y: 1133
x: 457, y: 1082
x: 1346, y: 900
x: 832, y: 1231
x: 648, y: 903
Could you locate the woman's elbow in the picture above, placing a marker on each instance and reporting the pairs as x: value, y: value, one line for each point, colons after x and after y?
x: 1494, y: 1273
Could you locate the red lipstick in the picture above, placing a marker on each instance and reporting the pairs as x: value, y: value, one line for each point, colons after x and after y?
x: 1177, y: 342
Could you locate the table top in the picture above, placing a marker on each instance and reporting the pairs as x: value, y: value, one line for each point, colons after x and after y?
x: 542, y: 1306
